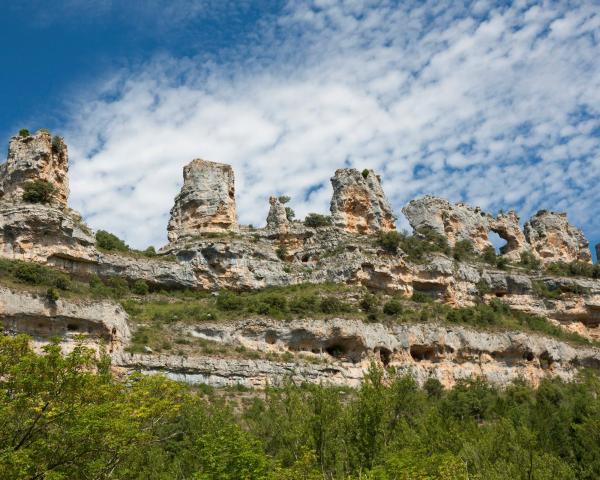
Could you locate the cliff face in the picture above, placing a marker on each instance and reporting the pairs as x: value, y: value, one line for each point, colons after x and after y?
x: 35, y: 157
x: 359, y: 204
x: 286, y: 253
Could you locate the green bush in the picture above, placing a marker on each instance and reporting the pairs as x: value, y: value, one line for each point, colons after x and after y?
x: 38, y: 191
x: 52, y: 295
x: 369, y: 303
x: 417, y: 247
x: 421, y: 297
x: 107, y: 241
x: 316, y: 220
x: 390, y: 241
x: 501, y: 263
x: 529, y: 261
x: 332, y: 305
x: 229, y: 301
x: 393, y: 307
x: 284, y: 199
x: 24, y: 133
x: 281, y: 252
x: 574, y: 269
x: 57, y: 144
x: 119, y: 286
x: 489, y: 255
x: 149, y: 252
x: 289, y: 213
x: 36, y: 274
x: 463, y: 250
x: 365, y: 173
x: 140, y: 287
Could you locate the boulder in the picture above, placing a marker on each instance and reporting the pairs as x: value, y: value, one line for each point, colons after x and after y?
x: 277, y: 217
x: 206, y: 203
x: 554, y: 239
x: 359, y: 204
x: 35, y: 157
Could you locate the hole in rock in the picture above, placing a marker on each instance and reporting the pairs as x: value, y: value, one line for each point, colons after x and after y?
x: 71, y: 327
x: 422, y: 352
x: 500, y: 294
x: 335, y: 350
x: 528, y: 356
x: 545, y: 360
x: 305, y: 258
x: 385, y: 355
x: 497, y: 241
x: 270, y: 337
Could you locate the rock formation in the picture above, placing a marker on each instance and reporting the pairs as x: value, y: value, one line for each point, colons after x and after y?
x: 358, y: 204
x: 554, y: 239
x: 506, y: 225
x: 454, y: 221
x: 35, y: 157
x: 277, y: 217
x: 206, y: 203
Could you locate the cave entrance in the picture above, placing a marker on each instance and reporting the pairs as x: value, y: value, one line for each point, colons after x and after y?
x: 385, y: 355
x: 498, y: 242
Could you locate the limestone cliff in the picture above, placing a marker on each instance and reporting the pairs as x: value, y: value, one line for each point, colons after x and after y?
x: 358, y: 204
x: 35, y: 157
x: 206, y: 203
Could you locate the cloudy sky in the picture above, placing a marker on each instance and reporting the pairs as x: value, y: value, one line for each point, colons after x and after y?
x: 492, y: 103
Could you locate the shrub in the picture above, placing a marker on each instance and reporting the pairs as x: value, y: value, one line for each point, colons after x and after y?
x: 331, y: 305
x: 433, y: 387
x: 24, y: 133
x: 529, y: 261
x: 229, y: 301
x: 365, y: 173
x: 501, y: 263
x: 463, y: 249
x: 57, y: 144
x: 420, y: 297
x: 369, y: 303
x: 150, y: 252
x: 542, y: 290
x: 284, y: 199
x: 140, y: 287
x: 416, y: 247
x: 281, y: 252
x: 304, y: 303
x: 390, y: 241
x: 489, y: 255
x: 393, y: 307
x: 289, y: 213
x: 574, y: 269
x: 482, y: 287
x: 52, y: 295
x: 38, y: 191
x: 316, y: 220
x: 119, y: 286
x: 107, y: 241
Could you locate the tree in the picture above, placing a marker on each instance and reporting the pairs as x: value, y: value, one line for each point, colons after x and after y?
x: 107, y: 241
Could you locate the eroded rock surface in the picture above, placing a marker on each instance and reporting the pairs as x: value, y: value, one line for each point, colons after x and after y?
x: 35, y: 157
x: 339, y: 352
x: 359, y: 204
x: 206, y: 203
x: 277, y: 216
x: 554, y: 239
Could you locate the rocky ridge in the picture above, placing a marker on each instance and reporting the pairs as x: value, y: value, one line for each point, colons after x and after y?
x: 207, y: 250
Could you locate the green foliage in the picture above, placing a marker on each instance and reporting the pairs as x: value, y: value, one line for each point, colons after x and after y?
x: 24, y: 133
x: 140, y: 287
x: 393, y: 307
x: 541, y: 289
x: 66, y: 417
x: 57, y: 144
x: 284, y: 199
x: 482, y: 287
x: 390, y: 241
x: 365, y: 173
x: 52, y: 295
x: 574, y: 269
x: 501, y: 263
x: 489, y: 255
x: 316, y: 220
x: 289, y: 213
x: 420, y: 297
x: 107, y: 241
x: 463, y: 250
x: 529, y: 261
x: 149, y: 252
x: 38, y: 191
x: 34, y: 274
x: 418, y: 247
x: 281, y: 251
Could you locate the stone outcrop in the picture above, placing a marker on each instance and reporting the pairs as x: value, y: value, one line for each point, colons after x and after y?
x: 506, y: 225
x: 206, y: 203
x: 277, y: 217
x: 358, y: 204
x: 553, y: 238
x: 35, y: 157
x: 35, y: 315
x: 455, y: 221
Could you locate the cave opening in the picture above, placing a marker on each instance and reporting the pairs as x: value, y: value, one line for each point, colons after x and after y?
x: 498, y: 242
x: 385, y: 355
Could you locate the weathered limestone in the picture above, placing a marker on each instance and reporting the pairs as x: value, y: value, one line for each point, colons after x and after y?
x: 455, y: 221
x: 35, y: 157
x: 277, y: 217
x: 554, y: 239
x: 506, y: 225
x: 359, y: 204
x: 206, y: 203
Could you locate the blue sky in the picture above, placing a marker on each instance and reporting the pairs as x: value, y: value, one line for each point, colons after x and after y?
x: 492, y: 103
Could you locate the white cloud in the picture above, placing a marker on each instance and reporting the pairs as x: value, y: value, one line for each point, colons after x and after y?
x: 498, y: 107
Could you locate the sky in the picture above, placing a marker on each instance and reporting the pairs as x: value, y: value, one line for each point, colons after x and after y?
x: 496, y: 104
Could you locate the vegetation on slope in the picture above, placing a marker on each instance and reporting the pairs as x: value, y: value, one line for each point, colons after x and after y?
x: 66, y: 417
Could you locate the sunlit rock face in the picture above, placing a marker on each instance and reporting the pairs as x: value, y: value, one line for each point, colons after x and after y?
x: 455, y: 221
x: 277, y: 217
x: 206, y: 203
x: 35, y: 157
x: 554, y: 239
x: 359, y: 204
x: 506, y: 225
